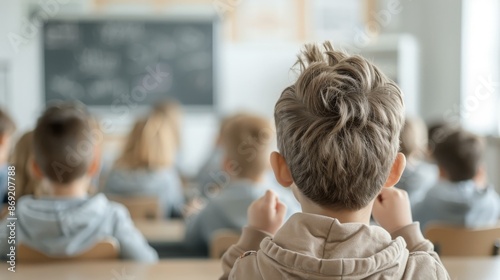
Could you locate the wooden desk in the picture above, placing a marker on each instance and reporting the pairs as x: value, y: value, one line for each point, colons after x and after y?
x: 195, y: 269
x: 472, y: 268
x: 162, y: 231
x: 116, y: 270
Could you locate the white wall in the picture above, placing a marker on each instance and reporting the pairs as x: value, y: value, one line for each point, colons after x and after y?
x: 437, y: 27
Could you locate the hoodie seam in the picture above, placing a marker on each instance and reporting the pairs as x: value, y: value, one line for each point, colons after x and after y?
x: 326, y: 237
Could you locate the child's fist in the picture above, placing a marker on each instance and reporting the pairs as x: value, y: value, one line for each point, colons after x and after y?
x: 392, y: 209
x: 266, y: 213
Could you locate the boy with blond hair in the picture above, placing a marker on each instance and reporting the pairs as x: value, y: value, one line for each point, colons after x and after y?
x: 338, y: 131
x: 461, y: 197
x: 247, y: 140
x: 67, y: 221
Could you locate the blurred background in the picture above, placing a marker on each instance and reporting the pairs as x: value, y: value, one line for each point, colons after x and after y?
x: 222, y: 56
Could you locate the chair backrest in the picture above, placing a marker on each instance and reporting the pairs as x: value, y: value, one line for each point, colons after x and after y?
x: 140, y: 207
x: 106, y: 249
x: 459, y: 241
x: 221, y: 241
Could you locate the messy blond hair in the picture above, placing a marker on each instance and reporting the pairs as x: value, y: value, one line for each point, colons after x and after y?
x: 338, y: 127
x: 22, y: 158
x: 246, y: 140
x: 150, y: 144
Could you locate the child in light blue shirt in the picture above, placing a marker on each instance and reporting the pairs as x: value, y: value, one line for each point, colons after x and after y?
x: 245, y: 162
x: 146, y: 165
x: 461, y: 197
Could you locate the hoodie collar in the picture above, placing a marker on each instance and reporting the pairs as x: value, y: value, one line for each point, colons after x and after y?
x: 333, y: 248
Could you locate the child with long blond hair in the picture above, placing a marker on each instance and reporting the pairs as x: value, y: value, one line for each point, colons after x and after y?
x: 146, y: 165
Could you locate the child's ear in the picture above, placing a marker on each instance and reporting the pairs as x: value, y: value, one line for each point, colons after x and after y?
x: 481, y: 177
x: 94, y: 166
x: 281, y: 170
x: 36, y: 170
x: 396, y: 170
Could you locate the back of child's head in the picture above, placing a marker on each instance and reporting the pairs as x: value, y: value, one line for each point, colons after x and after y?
x: 63, y: 142
x: 338, y: 127
x: 459, y: 154
x: 21, y: 158
x: 7, y: 126
x: 151, y: 144
x: 413, y: 138
x: 247, y: 139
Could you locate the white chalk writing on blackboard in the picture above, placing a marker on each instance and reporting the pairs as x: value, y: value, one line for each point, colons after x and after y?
x: 103, y: 88
x: 121, y: 33
x: 98, y: 62
x: 66, y: 87
x: 62, y: 36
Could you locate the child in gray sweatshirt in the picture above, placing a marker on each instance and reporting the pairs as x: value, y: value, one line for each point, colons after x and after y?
x: 68, y: 222
x: 462, y: 196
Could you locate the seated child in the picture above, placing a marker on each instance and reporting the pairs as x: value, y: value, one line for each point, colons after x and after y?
x: 146, y: 165
x: 461, y: 197
x: 338, y: 131
x: 7, y: 128
x: 209, y: 179
x: 68, y: 222
x: 212, y: 179
x: 418, y: 176
x: 246, y: 153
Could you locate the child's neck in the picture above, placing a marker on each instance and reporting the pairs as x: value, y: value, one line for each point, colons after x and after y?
x: 343, y: 216
x: 75, y: 189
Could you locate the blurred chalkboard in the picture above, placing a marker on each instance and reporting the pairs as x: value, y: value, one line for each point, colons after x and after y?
x: 123, y: 62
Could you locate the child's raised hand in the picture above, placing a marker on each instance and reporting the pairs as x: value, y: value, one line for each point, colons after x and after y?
x: 392, y: 209
x: 267, y: 213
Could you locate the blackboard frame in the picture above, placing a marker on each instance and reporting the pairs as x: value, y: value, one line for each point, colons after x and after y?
x: 104, y: 109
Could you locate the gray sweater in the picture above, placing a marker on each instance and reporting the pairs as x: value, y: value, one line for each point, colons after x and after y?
x: 164, y: 184
x: 68, y: 227
x: 228, y: 210
x: 460, y: 203
x: 417, y: 179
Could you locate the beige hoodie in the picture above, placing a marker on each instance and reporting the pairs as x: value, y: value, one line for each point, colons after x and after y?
x: 312, y: 246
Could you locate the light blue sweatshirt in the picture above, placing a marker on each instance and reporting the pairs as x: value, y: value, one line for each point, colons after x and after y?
x: 164, y: 184
x: 417, y: 179
x: 460, y: 203
x: 228, y: 210
x: 210, y: 177
x: 68, y: 227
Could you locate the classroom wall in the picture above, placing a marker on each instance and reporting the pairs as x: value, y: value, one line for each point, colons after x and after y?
x: 437, y: 27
